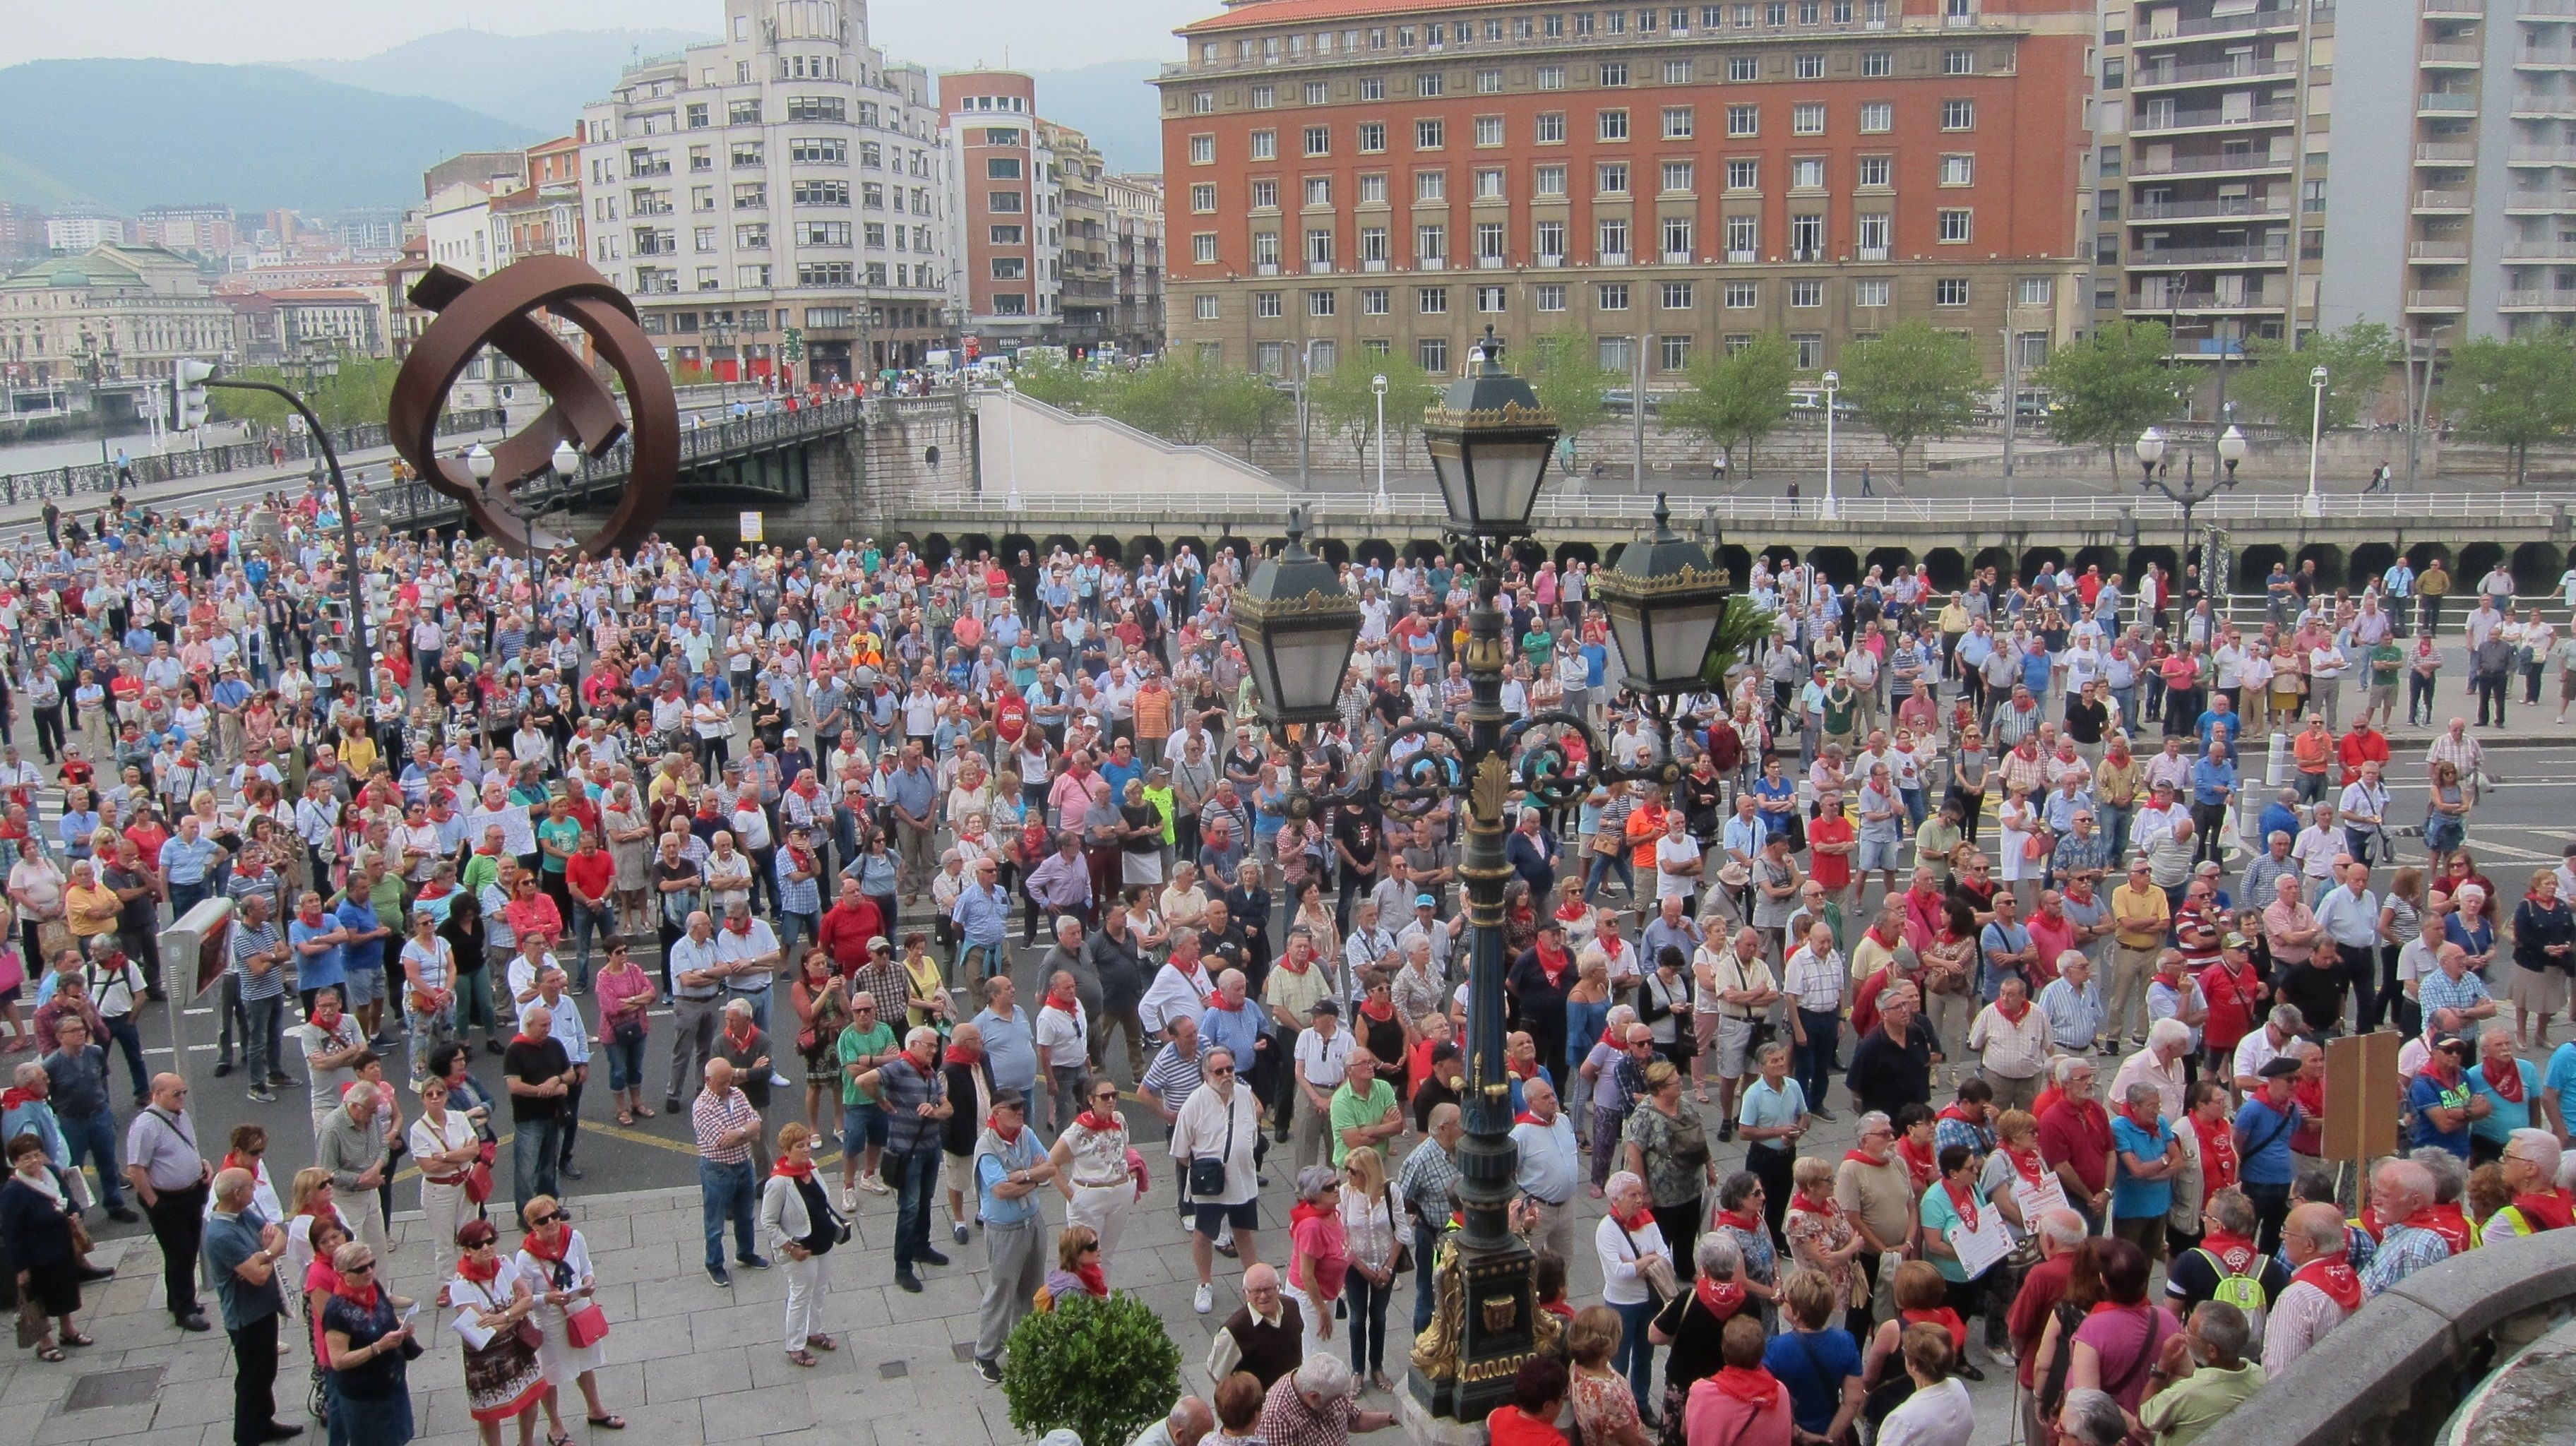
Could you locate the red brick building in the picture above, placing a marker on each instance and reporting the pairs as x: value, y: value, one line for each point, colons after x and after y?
x: 1395, y: 175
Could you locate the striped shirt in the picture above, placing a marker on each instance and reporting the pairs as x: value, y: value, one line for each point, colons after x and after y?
x: 1172, y: 1078
x: 250, y: 940
x: 714, y: 1116
x: 1428, y: 1184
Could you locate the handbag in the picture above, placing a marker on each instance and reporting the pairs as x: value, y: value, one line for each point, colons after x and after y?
x: 1402, y: 1260
x: 587, y: 1326
x: 478, y: 1176
x: 528, y: 1334
x: 628, y: 1032
x: 1207, y: 1172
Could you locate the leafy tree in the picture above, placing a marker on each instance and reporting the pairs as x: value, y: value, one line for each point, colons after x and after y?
x: 1738, y: 634
x: 1912, y: 383
x: 1566, y: 372
x: 2107, y: 388
x: 1735, y: 398
x: 1056, y: 382
x: 355, y: 395
x: 1246, y: 405
x: 1106, y: 1368
x: 1167, y: 399
x: 2357, y: 358
x: 1345, y: 402
x: 2513, y: 392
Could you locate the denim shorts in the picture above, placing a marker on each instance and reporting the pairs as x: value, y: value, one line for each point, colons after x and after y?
x: 861, y: 1126
x: 363, y: 986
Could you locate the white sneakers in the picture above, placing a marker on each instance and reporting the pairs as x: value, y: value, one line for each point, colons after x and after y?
x: 1205, y: 1300
x: 874, y: 1186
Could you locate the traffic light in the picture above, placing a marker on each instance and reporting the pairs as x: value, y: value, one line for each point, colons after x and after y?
x: 188, y: 392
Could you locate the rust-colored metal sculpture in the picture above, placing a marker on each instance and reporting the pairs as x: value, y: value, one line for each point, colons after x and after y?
x: 499, y: 311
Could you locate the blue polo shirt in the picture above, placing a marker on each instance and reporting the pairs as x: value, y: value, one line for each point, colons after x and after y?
x: 2210, y: 782
x: 2131, y: 1197
x: 326, y: 970
x: 357, y: 914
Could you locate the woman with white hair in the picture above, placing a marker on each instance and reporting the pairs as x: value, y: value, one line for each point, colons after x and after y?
x: 1636, y: 1269
x: 1319, y: 1258
x: 1693, y: 1322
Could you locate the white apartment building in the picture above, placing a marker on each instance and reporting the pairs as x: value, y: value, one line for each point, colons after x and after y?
x: 776, y: 201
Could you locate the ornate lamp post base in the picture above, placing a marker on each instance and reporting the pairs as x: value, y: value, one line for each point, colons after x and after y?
x: 1485, y: 1323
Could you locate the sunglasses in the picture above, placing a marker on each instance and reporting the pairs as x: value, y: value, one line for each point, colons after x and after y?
x: 537, y: 1220
x: 1106, y: 1095
x: 1220, y: 1073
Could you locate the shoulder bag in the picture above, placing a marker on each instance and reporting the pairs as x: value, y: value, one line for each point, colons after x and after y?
x: 1207, y: 1172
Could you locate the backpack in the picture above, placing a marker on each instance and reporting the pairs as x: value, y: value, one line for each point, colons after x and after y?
x: 2245, y: 1292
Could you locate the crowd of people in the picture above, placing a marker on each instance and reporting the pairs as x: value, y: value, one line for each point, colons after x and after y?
x: 1032, y: 880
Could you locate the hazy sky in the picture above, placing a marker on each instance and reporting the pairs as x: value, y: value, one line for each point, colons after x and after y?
x: 1038, y: 34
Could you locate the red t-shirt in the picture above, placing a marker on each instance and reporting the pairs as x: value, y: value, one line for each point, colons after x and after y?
x: 1833, y: 871
x: 2078, y: 1133
x: 2232, y: 1002
x: 590, y: 874
x: 1508, y: 1427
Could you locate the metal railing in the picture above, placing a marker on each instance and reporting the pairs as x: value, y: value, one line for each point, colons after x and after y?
x: 100, y: 479
x: 1568, y: 508
x: 735, y: 437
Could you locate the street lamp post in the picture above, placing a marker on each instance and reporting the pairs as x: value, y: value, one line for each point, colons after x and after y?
x: 2312, y: 505
x: 1833, y: 385
x: 2231, y: 451
x: 1490, y: 442
x: 1377, y: 388
x: 2151, y: 450
x: 358, y: 630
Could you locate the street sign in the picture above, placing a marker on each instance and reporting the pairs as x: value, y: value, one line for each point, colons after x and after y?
x: 2363, y: 1096
x: 751, y: 530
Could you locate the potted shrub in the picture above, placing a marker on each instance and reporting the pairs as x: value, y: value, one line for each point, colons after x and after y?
x: 1106, y: 1368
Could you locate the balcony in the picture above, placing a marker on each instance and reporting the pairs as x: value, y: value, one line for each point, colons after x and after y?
x: 1431, y: 263
x: 1677, y: 258
x: 2252, y: 22
x: 1491, y: 263
x: 2269, y: 254
x: 2206, y: 165
x: 2447, y: 103
x: 2541, y: 156
x: 1612, y: 258
x: 2447, y: 56
x: 650, y: 208
x: 2438, y: 253
x: 2545, y: 10
x: 1551, y: 259
x: 2539, y: 203
x: 2437, y: 301
x: 2544, y: 107
x: 2223, y: 207
x: 2442, y: 200
x: 1319, y: 268
x: 2456, y: 9
x: 2540, y: 250
x: 2537, y: 301
x: 1870, y: 253
x: 2550, y: 57
x: 639, y: 172
x: 2208, y: 72
x: 2165, y: 302
x: 2215, y: 118
x: 2446, y: 153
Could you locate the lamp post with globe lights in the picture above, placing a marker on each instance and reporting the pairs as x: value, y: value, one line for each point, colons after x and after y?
x: 2231, y: 451
x: 1490, y: 442
x: 2312, y: 505
x: 1833, y: 384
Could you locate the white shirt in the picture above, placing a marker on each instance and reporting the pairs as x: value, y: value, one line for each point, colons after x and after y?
x: 1061, y: 1037
x: 1933, y: 1416
x: 1325, y: 1061
x: 567, y: 1029
x: 1669, y: 853
x: 1812, y: 983
x: 1622, y: 1252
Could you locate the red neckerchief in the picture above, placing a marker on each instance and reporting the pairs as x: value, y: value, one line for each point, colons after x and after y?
x: 1095, y: 1123
x: 1859, y: 1158
x: 1217, y: 1001
x: 955, y: 1055
x: 1379, y: 1012
x: 1944, y: 1317
x: 13, y: 1097
x: 1191, y: 968
x: 2027, y: 1164
x: 2235, y: 1252
x: 1747, y: 1223
x: 480, y: 1272
x: 2548, y: 1210
x: 2509, y: 1093
x: 522, y: 1038
x: 2331, y: 1274
x: 993, y: 1122
x: 741, y: 1041
x: 788, y: 1167
x: 1630, y: 1223
x: 1966, y: 1208
x: 1801, y: 1200
x: 2445, y: 1221
x: 2217, y: 1152
x: 1295, y: 965
x: 1093, y: 1278
x: 1923, y: 1168
x: 1721, y: 1301
x: 2011, y: 1015
x: 1552, y: 966
x: 535, y: 1244
x: 1526, y: 1118
x: 1305, y: 1211
x: 361, y: 1296
x: 1063, y: 1003
x: 1752, y: 1385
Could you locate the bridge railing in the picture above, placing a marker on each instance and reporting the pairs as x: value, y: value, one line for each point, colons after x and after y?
x: 755, y: 432
x: 100, y: 479
x: 1565, y: 507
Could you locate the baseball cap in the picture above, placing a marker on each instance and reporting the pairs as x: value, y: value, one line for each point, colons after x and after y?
x: 1425, y: 901
x: 1327, y: 1006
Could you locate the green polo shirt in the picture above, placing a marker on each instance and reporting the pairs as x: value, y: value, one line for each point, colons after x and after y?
x: 1350, y: 1109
